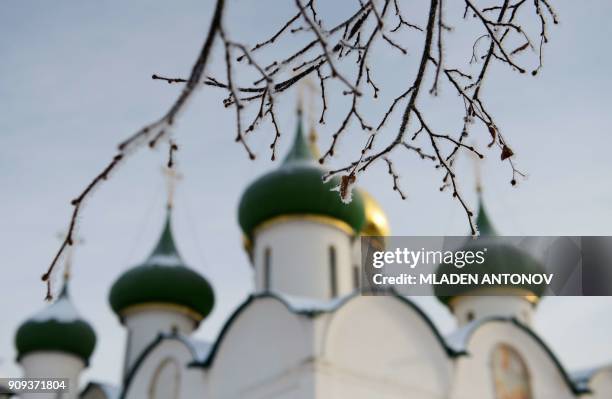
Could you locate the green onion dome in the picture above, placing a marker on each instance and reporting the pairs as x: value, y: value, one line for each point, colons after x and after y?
x: 57, y: 328
x: 163, y: 280
x: 296, y: 189
x: 499, y: 258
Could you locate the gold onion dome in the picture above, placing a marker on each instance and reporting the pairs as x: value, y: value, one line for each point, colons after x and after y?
x: 376, y: 221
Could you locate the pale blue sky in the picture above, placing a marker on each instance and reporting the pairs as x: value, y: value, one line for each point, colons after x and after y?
x: 75, y: 80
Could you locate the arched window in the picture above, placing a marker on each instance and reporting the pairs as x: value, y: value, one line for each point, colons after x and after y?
x: 470, y: 315
x: 333, y: 272
x: 510, y: 375
x: 128, y: 350
x: 356, y: 277
x: 267, y: 269
x: 166, y: 380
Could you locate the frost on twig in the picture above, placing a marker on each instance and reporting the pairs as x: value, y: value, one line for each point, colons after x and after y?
x: 340, y: 58
x: 342, y: 53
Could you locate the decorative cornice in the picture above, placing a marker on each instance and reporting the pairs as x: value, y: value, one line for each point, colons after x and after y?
x: 496, y: 291
x: 184, y: 310
x: 327, y: 220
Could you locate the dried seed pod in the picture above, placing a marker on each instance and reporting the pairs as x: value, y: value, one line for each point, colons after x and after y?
x: 506, y: 153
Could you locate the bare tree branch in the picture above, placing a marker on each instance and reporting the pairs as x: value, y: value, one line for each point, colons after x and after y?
x: 157, y: 129
x: 340, y: 56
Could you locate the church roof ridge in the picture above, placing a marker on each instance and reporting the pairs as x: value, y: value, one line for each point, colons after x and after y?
x: 459, y: 341
x: 310, y: 308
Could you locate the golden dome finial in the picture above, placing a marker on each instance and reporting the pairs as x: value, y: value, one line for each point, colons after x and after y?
x: 172, y: 178
x: 307, y: 85
x: 312, y: 141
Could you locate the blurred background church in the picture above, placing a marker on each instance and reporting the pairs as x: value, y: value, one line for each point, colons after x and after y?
x: 305, y: 331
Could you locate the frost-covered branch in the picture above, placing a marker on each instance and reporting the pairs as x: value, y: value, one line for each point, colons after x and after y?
x: 341, y: 54
x: 339, y: 57
x: 151, y: 134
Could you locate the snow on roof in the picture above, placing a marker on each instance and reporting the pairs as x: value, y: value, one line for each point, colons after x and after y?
x: 111, y: 391
x: 164, y: 260
x: 582, y: 378
x: 200, y: 349
x: 301, y: 304
x: 459, y: 339
x: 61, y: 310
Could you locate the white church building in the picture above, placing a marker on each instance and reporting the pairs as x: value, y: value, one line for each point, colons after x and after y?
x: 305, y: 332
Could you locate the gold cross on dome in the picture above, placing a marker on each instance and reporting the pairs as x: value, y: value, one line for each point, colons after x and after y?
x: 172, y: 179
x: 307, y: 85
x: 313, y: 90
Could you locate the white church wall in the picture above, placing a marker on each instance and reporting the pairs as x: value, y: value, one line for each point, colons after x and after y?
x: 94, y: 393
x: 145, y: 325
x: 45, y: 364
x: 601, y: 385
x: 300, y: 258
x: 164, y: 374
x: 381, y: 347
x: 265, y: 353
x: 474, y: 376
